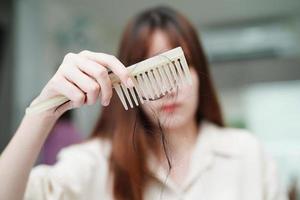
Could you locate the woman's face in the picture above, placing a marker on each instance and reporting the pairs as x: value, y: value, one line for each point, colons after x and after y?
x: 178, y: 108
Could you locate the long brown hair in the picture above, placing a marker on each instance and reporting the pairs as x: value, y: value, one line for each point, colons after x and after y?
x: 131, y: 133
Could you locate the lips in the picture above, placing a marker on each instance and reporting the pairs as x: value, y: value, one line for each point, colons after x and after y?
x: 169, y: 107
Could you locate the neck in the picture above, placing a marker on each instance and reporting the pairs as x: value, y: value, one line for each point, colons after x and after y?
x: 180, y: 140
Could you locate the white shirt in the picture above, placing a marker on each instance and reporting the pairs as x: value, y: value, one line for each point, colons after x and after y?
x: 227, y: 164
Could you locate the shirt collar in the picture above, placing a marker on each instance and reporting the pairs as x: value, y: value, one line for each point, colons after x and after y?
x: 211, y: 143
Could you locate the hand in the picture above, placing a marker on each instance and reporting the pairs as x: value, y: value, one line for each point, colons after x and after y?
x: 83, y: 78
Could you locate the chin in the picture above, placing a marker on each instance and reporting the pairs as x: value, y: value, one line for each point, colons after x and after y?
x: 172, y: 121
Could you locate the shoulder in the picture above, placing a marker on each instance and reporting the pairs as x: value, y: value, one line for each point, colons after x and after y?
x: 234, y: 141
x: 244, y: 147
x: 76, y: 169
x: 84, y: 159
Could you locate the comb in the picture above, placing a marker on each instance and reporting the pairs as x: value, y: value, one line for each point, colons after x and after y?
x: 153, y: 78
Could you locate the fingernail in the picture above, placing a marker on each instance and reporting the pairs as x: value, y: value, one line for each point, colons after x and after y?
x: 130, y: 83
x: 105, y: 103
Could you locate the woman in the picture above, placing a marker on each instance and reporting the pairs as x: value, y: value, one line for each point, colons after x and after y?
x: 174, y: 148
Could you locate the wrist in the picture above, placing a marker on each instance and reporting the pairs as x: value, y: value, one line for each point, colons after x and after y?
x: 45, y: 114
x: 37, y: 125
x: 43, y: 118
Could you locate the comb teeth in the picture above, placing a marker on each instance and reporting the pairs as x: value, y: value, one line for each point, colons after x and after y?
x: 153, y: 78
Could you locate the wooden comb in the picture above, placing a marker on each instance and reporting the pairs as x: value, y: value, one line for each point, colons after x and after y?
x: 153, y: 78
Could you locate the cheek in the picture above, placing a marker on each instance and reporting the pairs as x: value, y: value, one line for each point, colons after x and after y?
x: 191, y: 94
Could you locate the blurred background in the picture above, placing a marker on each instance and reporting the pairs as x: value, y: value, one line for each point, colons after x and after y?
x: 253, y: 48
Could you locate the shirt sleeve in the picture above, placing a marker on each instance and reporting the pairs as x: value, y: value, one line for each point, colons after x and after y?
x: 69, y: 178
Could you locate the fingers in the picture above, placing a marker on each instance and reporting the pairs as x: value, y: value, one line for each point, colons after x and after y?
x: 100, y: 74
x: 112, y: 63
x: 87, y: 71
x: 69, y: 90
x: 88, y: 85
